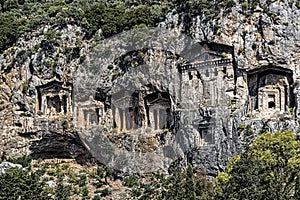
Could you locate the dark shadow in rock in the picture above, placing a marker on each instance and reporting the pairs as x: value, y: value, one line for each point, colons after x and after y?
x: 60, y: 145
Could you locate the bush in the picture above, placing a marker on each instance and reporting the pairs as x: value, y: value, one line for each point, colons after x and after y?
x: 62, y: 191
x: 25, y: 161
x: 130, y: 181
x: 85, y: 191
x: 297, y: 4
x: 20, y: 184
x: 97, y: 197
x: 105, y: 192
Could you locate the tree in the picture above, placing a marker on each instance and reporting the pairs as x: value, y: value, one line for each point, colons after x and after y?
x: 62, y: 191
x: 270, y: 169
x: 20, y: 184
x: 190, y: 184
x: 180, y: 183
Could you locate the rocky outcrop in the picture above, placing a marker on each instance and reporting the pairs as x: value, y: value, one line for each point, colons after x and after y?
x: 209, y: 100
x: 5, y: 166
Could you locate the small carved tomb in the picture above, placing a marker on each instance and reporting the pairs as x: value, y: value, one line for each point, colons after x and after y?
x: 158, y: 109
x: 270, y: 91
x: 121, y: 110
x: 203, y: 124
x: 90, y: 113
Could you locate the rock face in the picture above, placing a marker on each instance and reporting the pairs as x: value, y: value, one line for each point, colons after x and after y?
x: 5, y: 166
x: 240, y: 82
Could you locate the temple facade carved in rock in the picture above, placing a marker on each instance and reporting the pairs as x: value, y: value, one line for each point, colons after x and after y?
x: 149, y: 110
x: 54, y: 98
x: 270, y: 91
x: 203, y: 89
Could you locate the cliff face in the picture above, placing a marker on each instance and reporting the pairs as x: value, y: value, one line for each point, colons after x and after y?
x: 241, y: 80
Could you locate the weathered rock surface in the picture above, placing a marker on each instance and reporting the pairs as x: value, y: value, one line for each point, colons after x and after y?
x: 242, y: 81
x: 5, y: 166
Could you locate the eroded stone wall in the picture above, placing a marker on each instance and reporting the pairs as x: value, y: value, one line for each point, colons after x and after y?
x: 246, y: 79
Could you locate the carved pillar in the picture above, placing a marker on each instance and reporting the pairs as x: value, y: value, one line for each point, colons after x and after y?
x: 69, y: 103
x: 163, y: 118
x: 152, y: 119
x: 260, y: 100
x: 88, y: 122
x: 128, y: 120
x: 117, y: 118
x: 80, y: 116
x: 45, y: 109
x: 160, y: 118
x: 156, y: 122
x: 212, y: 94
x: 61, y: 103
x: 146, y: 119
x: 121, y: 119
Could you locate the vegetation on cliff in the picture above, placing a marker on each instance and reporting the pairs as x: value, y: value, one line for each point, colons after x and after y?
x: 269, y: 169
x: 22, y: 16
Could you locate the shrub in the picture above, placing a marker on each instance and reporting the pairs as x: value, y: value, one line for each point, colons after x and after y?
x: 62, y: 191
x: 130, y: 181
x: 25, y: 161
x: 20, y: 184
x: 97, y: 197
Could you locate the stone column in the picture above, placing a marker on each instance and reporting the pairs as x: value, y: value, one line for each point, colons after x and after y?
x: 69, y: 103
x: 128, y: 119
x: 44, y: 106
x: 160, y: 118
x: 146, y: 119
x: 61, y: 103
x: 117, y: 118
x: 158, y: 114
x: 212, y: 94
x: 156, y: 122
x: 81, y: 116
x: 88, y: 122
x: 151, y: 118
x: 121, y: 113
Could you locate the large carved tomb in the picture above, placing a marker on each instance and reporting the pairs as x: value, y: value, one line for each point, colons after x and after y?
x: 210, y: 78
x: 134, y: 110
x: 54, y: 98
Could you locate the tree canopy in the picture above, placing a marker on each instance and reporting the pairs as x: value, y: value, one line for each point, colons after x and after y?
x: 270, y: 169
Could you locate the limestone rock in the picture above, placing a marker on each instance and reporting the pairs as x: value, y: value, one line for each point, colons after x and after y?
x: 238, y: 83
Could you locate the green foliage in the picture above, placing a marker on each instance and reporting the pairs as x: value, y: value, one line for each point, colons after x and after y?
x: 81, y: 182
x: 20, y: 184
x: 111, y: 17
x: 270, y: 169
x: 97, y: 197
x: 105, y: 192
x: 25, y: 161
x: 190, y: 184
x: 297, y: 4
x: 11, y: 26
x: 18, y: 17
x: 297, y: 188
x: 85, y: 191
x: 101, y: 171
x: 130, y: 181
x: 179, y: 184
x: 249, y: 5
x: 62, y: 191
x: 101, y: 16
